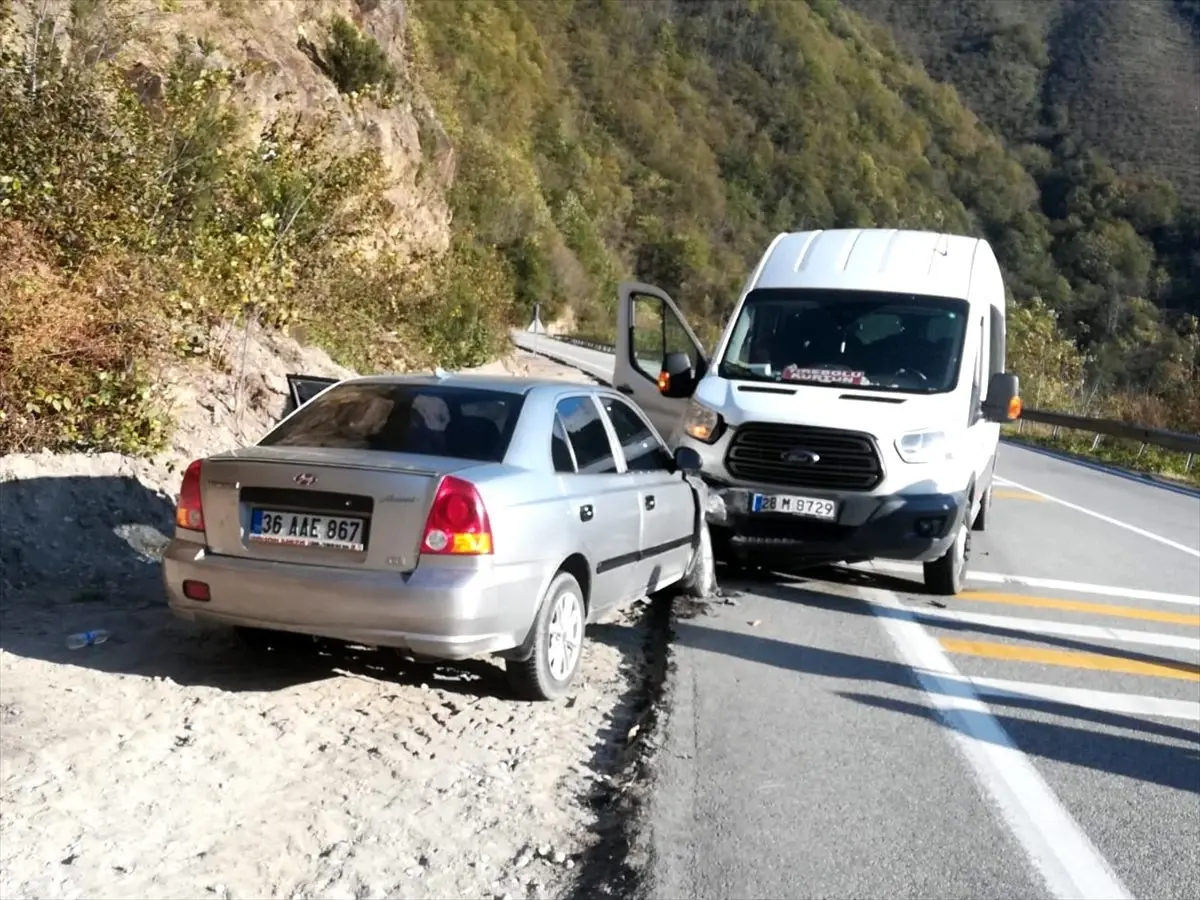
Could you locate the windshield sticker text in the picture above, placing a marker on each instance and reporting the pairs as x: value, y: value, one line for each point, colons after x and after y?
x: 824, y: 376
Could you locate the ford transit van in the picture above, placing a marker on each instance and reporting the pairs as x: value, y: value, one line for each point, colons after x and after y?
x: 851, y: 408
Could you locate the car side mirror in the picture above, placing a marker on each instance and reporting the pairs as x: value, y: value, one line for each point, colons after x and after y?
x: 1003, y: 401
x: 687, y: 460
x: 676, y: 379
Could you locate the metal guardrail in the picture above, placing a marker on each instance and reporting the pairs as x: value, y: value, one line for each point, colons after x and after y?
x: 1177, y: 441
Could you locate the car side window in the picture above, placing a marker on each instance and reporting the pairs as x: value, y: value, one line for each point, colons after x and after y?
x: 643, y: 450
x: 560, y: 450
x: 587, y: 436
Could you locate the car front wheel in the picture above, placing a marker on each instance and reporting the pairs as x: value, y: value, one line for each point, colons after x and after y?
x: 557, y: 644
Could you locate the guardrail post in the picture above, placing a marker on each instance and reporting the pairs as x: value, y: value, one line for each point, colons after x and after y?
x: 1095, y: 442
x: 1187, y: 466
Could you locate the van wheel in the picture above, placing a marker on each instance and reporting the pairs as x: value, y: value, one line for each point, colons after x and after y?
x: 700, y: 579
x: 557, y: 644
x: 985, y: 508
x: 946, y: 574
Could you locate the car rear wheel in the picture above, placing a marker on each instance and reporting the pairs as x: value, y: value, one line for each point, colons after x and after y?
x: 557, y: 644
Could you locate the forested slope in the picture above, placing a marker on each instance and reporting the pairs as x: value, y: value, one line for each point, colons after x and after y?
x: 670, y: 140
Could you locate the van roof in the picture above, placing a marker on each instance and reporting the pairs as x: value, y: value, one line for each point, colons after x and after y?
x: 865, y: 259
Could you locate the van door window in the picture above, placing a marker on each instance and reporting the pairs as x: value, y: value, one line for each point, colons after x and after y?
x: 996, y: 357
x: 657, y: 331
x: 978, y: 377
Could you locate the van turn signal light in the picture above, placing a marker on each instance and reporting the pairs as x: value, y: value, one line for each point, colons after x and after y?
x: 664, y: 381
x: 1014, y: 409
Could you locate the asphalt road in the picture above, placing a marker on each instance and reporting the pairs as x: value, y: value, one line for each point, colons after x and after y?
x: 845, y: 735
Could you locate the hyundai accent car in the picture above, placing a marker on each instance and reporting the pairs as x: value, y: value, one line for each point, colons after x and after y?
x: 451, y: 516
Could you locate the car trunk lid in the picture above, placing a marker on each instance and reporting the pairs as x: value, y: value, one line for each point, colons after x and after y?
x: 333, y: 507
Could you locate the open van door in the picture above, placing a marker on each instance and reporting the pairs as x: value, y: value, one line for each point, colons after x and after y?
x: 659, y: 360
x: 302, y: 388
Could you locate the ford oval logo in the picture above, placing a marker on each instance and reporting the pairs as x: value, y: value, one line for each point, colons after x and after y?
x: 304, y: 479
x: 800, y: 456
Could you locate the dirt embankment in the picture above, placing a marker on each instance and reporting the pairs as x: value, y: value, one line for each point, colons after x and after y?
x: 168, y: 762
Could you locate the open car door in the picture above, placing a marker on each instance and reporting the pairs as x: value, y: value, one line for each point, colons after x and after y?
x: 649, y: 328
x: 302, y: 388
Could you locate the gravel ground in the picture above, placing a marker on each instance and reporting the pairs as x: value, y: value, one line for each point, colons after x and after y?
x: 171, y: 762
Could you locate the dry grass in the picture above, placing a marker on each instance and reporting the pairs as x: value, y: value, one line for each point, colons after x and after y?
x: 66, y: 336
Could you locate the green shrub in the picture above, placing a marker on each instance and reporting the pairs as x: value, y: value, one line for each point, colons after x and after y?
x: 128, y: 229
x: 356, y: 62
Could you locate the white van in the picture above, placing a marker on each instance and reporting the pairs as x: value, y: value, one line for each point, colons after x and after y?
x: 851, y: 409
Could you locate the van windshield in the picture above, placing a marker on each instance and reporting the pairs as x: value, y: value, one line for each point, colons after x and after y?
x: 863, y: 339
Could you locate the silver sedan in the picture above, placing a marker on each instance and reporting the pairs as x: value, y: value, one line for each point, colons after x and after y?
x: 451, y: 516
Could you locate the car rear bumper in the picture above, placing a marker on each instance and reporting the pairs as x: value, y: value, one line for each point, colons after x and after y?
x: 915, y: 527
x: 437, y: 610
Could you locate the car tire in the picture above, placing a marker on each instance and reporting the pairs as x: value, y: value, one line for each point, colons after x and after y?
x: 985, y: 508
x: 700, y: 579
x: 558, y: 635
x: 946, y: 574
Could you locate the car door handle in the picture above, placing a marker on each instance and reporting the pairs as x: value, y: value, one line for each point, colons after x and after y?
x: 624, y: 389
x: 586, y: 512
x: 649, y: 501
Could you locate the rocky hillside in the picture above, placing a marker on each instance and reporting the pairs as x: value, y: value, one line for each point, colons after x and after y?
x: 398, y: 180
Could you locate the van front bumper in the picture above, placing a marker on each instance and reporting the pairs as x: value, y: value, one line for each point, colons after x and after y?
x: 913, y: 527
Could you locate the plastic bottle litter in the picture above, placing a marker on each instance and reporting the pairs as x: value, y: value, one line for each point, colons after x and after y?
x: 86, y: 639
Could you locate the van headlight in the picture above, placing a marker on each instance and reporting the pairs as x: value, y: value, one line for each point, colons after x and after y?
x: 701, y: 422
x: 924, y: 447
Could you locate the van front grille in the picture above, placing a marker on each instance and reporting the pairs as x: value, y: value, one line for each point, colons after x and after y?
x: 845, y: 460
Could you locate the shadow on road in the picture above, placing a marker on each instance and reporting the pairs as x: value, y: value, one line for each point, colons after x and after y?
x: 1168, y: 765
x: 796, y: 592
x: 1144, y: 758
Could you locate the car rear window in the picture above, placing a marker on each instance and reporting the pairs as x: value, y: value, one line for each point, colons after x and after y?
x: 431, y: 420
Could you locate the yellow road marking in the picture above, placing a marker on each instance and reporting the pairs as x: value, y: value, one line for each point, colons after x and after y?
x: 1000, y: 493
x: 1099, y: 609
x: 1073, y: 659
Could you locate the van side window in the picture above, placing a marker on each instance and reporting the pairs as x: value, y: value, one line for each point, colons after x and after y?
x: 998, y: 341
x: 587, y: 435
x: 657, y: 331
x: 978, y: 377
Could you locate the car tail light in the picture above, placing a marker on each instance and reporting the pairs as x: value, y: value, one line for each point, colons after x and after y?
x: 457, y: 522
x: 189, y: 510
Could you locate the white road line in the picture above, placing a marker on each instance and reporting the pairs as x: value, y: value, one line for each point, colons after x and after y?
x: 1057, y: 846
x: 1102, y: 701
x: 1049, y: 584
x: 1062, y: 629
x: 1166, y: 542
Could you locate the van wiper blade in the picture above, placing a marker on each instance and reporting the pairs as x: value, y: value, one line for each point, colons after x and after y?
x: 729, y: 369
